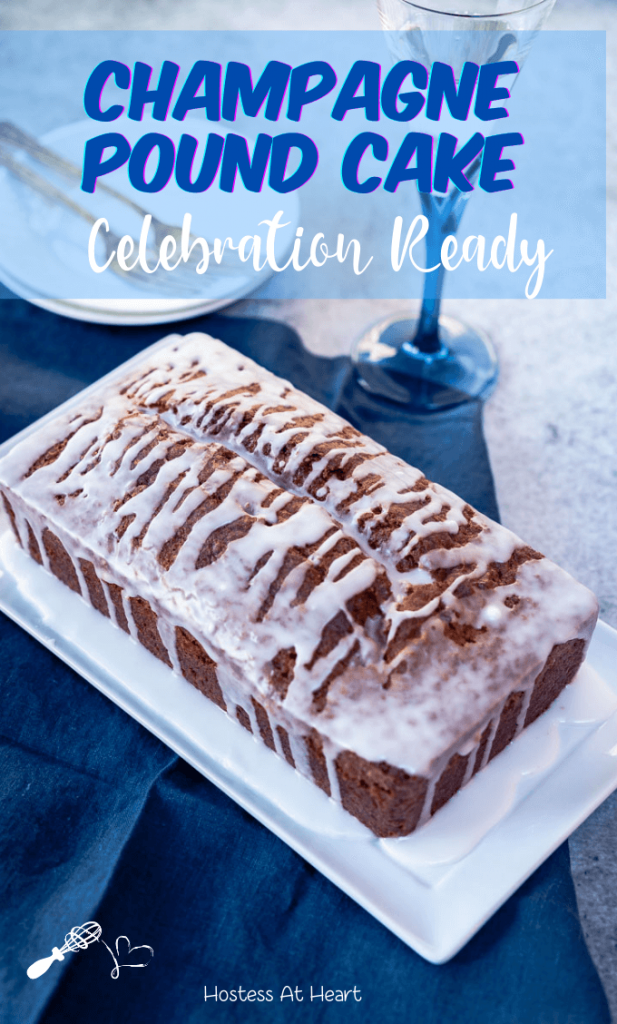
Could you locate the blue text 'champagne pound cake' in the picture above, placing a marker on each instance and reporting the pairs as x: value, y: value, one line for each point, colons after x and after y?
x: 370, y: 627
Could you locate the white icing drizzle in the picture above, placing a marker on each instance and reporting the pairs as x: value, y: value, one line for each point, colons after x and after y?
x: 424, y: 644
x: 491, y: 736
x: 425, y: 813
x: 471, y: 762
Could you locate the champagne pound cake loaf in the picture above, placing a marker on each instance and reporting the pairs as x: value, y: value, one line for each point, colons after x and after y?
x: 369, y: 626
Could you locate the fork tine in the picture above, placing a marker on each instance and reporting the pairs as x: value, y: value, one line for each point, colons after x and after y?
x: 16, y: 136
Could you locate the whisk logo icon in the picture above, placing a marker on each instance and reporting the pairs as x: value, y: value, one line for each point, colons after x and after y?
x: 80, y: 938
x: 77, y: 938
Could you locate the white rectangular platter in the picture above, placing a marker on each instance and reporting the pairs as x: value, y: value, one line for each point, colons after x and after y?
x: 435, y: 888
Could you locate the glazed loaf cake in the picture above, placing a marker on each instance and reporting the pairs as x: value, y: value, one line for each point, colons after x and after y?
x: 370, y: 627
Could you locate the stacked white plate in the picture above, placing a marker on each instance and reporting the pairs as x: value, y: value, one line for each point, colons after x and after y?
x: 43, y: 246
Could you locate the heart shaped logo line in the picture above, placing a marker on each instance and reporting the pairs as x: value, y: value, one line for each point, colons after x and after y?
x: 132, y: 949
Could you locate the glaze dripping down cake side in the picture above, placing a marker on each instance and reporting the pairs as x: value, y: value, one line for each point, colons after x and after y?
x: 370, y: 627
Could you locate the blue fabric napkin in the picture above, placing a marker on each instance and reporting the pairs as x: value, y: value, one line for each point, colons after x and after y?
x: 99, y: 820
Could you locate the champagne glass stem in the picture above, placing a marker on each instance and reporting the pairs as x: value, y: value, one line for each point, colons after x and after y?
x: 427, y: 336
x: 444, y: 216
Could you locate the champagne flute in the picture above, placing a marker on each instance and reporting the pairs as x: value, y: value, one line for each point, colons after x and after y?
x: 431, y: 361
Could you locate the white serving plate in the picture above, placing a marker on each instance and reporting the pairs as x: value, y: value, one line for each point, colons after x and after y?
x: 435, y: 888
x: 43, y: 249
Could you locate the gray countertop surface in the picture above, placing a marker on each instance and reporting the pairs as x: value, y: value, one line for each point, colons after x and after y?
x: 551, y: 425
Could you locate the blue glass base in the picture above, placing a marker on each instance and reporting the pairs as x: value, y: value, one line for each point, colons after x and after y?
x: 389, y: 364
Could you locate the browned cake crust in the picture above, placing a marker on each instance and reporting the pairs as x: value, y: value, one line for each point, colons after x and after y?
x: 376, y: 632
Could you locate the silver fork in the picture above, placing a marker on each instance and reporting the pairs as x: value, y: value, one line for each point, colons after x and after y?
x: 15, y: 136
x: 110, y: 240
